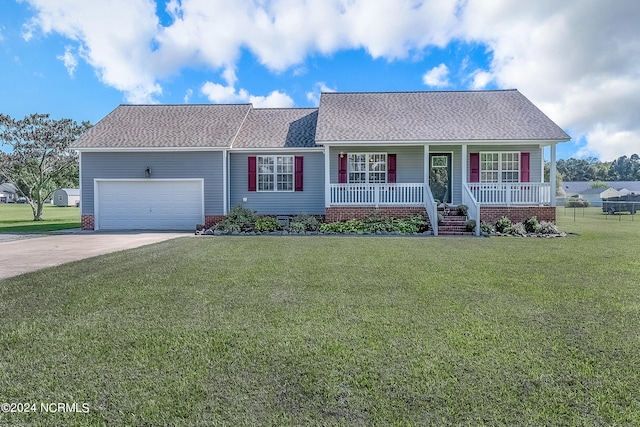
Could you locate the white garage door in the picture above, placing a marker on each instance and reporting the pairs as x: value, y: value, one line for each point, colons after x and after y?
x: 149, y: 204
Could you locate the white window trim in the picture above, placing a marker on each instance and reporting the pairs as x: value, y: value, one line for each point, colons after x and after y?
x: 500, y: 170
x: 368, y: 172
x: 275, y: 174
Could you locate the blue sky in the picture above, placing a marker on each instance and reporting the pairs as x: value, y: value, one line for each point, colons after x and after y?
x: 577, y: 60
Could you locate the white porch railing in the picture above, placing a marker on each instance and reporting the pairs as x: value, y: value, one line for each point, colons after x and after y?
x: 473, y: 206
x: 432, y: 210
x: 512, y: 193
x: 377, y: 194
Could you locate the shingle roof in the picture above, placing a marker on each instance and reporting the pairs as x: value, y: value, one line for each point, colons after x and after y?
x: 278, y: 128
x: 433, y: 116
x: 579, y: 187
x: 166, y: 126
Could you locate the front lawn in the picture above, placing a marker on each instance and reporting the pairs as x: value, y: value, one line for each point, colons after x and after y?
x: 18, y: 218
x: 334, y: 330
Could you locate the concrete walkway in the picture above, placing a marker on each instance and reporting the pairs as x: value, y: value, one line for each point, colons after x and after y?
x: 23, y: 253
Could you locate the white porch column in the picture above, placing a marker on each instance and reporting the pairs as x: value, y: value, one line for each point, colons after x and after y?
x: 426, y: 171
x: 327, y: 177
x: 552, y: 174
x: 464, y: 165
x: 225, y: 183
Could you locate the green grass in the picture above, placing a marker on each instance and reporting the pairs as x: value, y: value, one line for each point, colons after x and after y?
x: 18, y: 218
x: 335, y: 331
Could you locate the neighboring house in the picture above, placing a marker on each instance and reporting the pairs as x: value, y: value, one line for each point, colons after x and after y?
x: 66, y: 197
x: 173, y: 166
x: 8, y: 193
x: 584, y: 190
x: 595, y: 195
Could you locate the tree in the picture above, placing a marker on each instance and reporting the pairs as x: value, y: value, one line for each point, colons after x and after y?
x: 41, y: 160
x: 625, y: 168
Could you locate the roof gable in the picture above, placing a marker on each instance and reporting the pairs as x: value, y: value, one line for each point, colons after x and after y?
x: 278, y: 128
x: 433, y: 116
x: 166, y: 126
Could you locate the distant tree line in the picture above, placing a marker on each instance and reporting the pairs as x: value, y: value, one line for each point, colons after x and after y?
x: 591, y: 169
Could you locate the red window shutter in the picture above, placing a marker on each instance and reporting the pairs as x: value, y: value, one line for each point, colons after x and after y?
x: 252, y: 173
x: 299, y: 175
x: 391, y: 168
x: 525, y: 175
x: 342, y: 169
x: 474, y: 163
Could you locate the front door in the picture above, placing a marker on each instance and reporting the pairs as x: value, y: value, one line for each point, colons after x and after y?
x: 440, y: 176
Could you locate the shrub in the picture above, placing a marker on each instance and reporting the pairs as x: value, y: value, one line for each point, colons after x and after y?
x: 266, y: 223
x: 238, y: 219
x: 404, y: 226
x: 517, y: 229
x: 440, y: 218
x: 310, y: 222
x: 296, y: 227
x: 419, y: 222
x: 503, y: 224
x: 575, y: 202
x: 350, y: 226
x: 545, y: 227
x: 373, y: 224
x: 463, y: 209
x: 470, y: 225
x: 531, y: 224
x: 486, y: 227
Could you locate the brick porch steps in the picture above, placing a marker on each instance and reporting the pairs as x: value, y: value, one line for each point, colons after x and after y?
x: 453, y: 224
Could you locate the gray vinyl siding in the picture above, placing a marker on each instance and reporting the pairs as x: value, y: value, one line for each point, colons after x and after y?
x: 309, y: 201
x: 409, y: 161
x: 206, y: 165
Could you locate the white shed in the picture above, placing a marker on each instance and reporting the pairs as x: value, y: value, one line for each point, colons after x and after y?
x: 66, y: 197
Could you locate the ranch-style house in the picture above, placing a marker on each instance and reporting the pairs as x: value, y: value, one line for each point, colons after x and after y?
x: 397, y: 153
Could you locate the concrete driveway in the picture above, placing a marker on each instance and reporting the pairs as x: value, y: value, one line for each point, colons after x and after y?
x: 23, y: 253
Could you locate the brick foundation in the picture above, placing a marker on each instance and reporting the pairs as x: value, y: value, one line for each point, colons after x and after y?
x: 491, y: 214
x: 344, y: 213
x: 87, y: 222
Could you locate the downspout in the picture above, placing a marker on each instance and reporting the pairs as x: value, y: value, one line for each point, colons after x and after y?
x: 80, y: 181
x: 327, y: 177
x: 552, y: 174
x: 226, y: 189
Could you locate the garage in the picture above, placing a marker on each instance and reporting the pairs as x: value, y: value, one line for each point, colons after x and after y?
x: 149, y: 204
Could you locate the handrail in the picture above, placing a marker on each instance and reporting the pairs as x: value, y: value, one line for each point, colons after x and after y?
x: 432, y: 209
x: 473, y: 206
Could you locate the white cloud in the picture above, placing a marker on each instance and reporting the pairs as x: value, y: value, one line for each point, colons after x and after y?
x: 69, y: 60
x: 114, y: 37
x: 313, y: 96
x: 275, y: 99
x: 480, y: 79
x: 578, y: 60
x: 610, y: 143
x: 187, y: 95
x: 437, y: 76
x: 220, y: 94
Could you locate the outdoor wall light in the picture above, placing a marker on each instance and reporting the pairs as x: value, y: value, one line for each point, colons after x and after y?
x: 147, y: 172
x: 342, y: 154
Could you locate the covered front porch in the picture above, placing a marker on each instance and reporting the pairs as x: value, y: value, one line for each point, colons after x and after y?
x: 427, y: 176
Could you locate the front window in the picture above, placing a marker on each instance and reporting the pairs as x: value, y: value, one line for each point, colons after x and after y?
x: 275, y: 173
x: 367, y: 168
x: 499, y: 167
